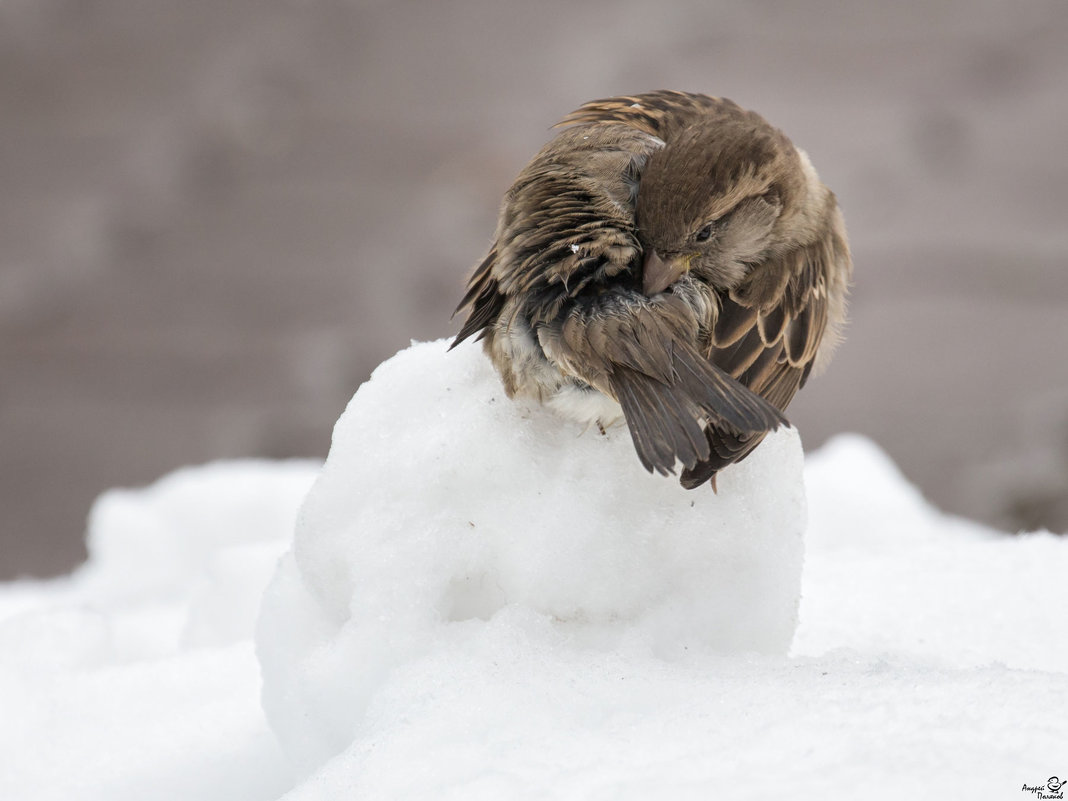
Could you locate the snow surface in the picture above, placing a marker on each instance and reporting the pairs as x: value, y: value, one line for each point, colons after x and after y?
x: 599, y: 640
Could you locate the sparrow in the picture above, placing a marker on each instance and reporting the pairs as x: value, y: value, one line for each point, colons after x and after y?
x: 671, y: 260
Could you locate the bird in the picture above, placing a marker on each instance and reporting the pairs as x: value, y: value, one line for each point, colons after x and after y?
x: 670, y: 260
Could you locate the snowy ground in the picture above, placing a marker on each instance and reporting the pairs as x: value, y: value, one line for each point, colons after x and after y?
x: 481, y: 602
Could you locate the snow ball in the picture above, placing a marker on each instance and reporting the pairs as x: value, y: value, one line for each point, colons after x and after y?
x: 448, y: 515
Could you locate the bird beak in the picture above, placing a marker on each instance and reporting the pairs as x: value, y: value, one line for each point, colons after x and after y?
x: 658, y: 275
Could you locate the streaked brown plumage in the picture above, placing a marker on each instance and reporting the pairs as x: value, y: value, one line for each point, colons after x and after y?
x: 669, y: 258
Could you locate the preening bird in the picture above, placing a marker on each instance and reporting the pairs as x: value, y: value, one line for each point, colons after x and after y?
x: 671, y: 259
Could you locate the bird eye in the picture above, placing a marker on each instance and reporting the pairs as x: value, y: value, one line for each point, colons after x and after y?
x: 704, y: 234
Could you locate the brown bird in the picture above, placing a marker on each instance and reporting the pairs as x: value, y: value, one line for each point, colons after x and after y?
x: 671, y: 259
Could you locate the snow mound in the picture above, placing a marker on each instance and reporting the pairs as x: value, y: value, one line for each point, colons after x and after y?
x: 887, y: 573
x: 177, y: 564
x: 450, y: 520
x: 135, y: 677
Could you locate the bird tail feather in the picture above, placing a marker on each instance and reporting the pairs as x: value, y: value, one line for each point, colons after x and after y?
x: 665, y: 418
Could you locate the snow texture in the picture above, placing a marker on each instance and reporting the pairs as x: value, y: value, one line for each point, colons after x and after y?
x: 557, y: 648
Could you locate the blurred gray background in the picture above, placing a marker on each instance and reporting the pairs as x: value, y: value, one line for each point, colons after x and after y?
x: 217, y: 218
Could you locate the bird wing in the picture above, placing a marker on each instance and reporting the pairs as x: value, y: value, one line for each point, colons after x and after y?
x: 482, y: 297
x: 766, y: 336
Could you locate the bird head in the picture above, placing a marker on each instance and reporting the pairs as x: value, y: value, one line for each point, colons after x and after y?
x: 721, y: 196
